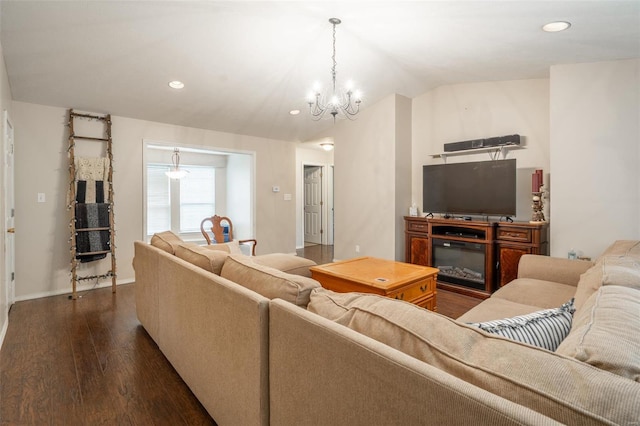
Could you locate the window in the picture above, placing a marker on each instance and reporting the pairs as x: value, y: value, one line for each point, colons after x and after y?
x: 219, y: 182
x: 197, y: 197
x: 158, y: 199
x: 179, y: 205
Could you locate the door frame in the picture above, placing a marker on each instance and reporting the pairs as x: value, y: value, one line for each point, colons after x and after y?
x: 9, y: 193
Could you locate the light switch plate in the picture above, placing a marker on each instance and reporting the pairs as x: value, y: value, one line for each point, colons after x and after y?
x: 41, y: 197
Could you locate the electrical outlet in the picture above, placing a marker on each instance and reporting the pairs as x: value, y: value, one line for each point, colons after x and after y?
x: 357, y: 249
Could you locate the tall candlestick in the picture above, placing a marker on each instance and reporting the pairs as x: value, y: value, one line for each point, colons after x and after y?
x: 540, y: 178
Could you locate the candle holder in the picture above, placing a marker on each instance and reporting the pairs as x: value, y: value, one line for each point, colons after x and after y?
x: 537, y: 205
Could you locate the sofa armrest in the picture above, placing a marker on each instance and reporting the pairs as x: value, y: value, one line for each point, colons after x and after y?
x: 554, y: 269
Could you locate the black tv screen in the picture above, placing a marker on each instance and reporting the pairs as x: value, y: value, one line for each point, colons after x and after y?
x: 478, y: 188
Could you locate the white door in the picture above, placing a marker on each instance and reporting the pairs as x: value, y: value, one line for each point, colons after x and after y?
x: 9, y: 239
x: 313, y: 204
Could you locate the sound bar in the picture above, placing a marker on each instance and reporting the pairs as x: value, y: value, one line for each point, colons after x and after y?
x: 482, y: 143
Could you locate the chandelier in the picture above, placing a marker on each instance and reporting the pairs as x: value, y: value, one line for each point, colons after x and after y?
x: 175, y: 172
x: 345, y: 103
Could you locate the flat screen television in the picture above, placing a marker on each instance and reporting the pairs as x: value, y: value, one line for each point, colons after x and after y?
x: 486, y: 188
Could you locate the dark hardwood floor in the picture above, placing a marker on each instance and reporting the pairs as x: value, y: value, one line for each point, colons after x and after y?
x: 90, y: 362
x: 319, y: 253
x: 454, y: 304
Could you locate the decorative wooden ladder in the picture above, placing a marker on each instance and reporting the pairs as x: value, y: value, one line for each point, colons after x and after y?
x: 77, y: 255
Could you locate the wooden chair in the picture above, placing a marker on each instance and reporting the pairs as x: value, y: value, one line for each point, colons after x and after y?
x: 220, y: 224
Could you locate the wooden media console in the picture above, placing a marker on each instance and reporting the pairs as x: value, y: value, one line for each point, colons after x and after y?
x: 474, y: 257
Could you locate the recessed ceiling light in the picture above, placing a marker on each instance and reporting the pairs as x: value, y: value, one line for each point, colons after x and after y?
x: 294, y: 112
x: 554, y: 27
x: 175, y: 84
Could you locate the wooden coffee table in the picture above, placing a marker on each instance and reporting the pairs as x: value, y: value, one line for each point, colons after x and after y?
x: 397, y: 280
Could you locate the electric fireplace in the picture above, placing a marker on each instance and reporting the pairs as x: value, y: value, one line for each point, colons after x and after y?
x: 461, y: 263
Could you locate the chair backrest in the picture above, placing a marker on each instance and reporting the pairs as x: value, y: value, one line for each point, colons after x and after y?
x: 219, y: 224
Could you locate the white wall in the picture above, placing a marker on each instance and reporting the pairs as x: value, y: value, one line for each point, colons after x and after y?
x: 595, y: 153
x: 313, y: 157
x: 479, y: 110
x: 403, y: 154
x: 5, y: 105
x: 366, y: 181
x: 42, y: 245
x: 239, y: 196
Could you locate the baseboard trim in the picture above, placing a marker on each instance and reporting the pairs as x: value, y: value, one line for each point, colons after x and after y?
x: 3, y: 333
x: 80, y: 288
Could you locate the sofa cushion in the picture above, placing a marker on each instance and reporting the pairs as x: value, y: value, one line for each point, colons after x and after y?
x: 557, y: 386
x: 167, y: 241
x: 589, y: 283
x: 494, y: 308
x: 606, y: 332
x: 286, y: 263
x: 546, y: 328
x: 623, y: 271
x: 628, y: 248
x: 232, y: 247
x: 529, y: 291
x: 210, y: 260
x: 267, y: 281
x: 555, y: 269
x: 611, y: 269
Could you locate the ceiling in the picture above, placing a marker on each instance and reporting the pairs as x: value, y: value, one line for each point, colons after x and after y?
x: 245, y: 65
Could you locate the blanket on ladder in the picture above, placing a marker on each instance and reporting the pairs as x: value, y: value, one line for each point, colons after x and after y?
x: 92, y: 215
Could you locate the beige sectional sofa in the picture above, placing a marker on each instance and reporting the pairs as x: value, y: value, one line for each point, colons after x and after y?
x: 358, y: 359
x: 214, y: 332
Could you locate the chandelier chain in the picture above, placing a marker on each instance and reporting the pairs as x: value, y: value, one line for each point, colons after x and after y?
x: 333, y: 57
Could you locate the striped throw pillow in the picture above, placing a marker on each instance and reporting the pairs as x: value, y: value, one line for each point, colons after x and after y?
x: 546, y: 328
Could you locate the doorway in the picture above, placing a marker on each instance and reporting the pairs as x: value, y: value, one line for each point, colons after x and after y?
x: 9, y: 235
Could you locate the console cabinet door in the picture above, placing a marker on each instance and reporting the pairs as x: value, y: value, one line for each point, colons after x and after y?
x: 419, y: 250
x: 508, y: 258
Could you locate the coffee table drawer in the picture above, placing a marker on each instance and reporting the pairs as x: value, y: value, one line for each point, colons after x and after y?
x: 415, y: 291
x: 428, y: 303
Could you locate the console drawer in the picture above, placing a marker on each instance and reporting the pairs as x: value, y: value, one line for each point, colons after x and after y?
x: 514, y: 234
x: 417, y: 226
